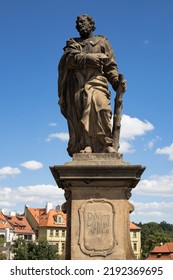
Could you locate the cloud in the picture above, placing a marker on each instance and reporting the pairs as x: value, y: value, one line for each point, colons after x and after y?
x: 156, y: 186
x: 52, y: 124
x: 32, y: 165
x: 8, y: 171
x: 126, y: 147
x: 34, y: 196
x: 157, y: 211
x: 130, y: 129
x: 168, y: 150
x: 155, y: 216
x: 63, y: 136
x: 133, y: 127
x: 154, y: 205
x: 152, y: 142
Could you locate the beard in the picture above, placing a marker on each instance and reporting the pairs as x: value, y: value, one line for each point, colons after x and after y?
x: 84, y: 31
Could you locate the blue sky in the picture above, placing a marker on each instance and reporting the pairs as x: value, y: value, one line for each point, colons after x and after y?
x: 33, y: 132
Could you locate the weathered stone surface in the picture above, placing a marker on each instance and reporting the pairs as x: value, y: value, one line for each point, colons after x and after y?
x: 97, y: 205
x: 85, y: 69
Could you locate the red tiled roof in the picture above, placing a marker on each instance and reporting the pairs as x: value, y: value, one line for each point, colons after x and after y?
x: 163, y: 252
x: 20, y: 221
x: 165, y: 248
x: 49, y: 219
x: 160, y: 257
x: 4, y: 222
x: 37, y: 213
x: 133, y: 226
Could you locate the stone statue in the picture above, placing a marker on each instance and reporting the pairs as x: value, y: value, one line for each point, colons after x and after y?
x: 86, y: 67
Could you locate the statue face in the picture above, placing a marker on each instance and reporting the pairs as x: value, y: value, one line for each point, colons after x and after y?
x: 84, y: 27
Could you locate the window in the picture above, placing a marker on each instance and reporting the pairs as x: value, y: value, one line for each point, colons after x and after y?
x: 134, y: 234
x: 63, y: 232
x: 28, y: 237
x: 63, y: 246
x: 59, y: 219
x: 51, y: 232
x: 58, y: 246
x: 135, y: 246
x: 57, y: 232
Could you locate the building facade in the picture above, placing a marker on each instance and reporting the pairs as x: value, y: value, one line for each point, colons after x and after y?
x: 135, y: 238
x: 48, y: 224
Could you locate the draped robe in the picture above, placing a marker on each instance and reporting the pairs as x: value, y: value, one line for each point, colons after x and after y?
x: 84, y: 96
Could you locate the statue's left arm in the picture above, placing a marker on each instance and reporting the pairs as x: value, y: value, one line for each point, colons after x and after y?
x: 110, y: 68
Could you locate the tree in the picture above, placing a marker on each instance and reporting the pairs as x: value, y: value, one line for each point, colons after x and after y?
x: 20, y: 249
x: 154, y: 239
x: 41, y: 250
x: 2, y: 239
x: 3, y: 256
x: 154, y: 234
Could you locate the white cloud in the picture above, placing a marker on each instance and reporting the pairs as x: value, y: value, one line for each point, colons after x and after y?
x: 153, y: 211
x: 153, y: 216
x: 52, y: 124
x: 8, y: 171
x: 152, y: 142
x: 32, y: 165
x: 133, y: 127
x: 156, y: 186
x: 5, y: 190
x: 130, y: 129
x: 168, y: 150
x: 155, y: 205
x: 34, y: 196
x: 63, y: 136
x: 126, y: 147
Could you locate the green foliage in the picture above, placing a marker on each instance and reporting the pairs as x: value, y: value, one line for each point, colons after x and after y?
x: 41, y: 250
x: 2, y: 240
x: 154, y: 234
x: 2, y: 256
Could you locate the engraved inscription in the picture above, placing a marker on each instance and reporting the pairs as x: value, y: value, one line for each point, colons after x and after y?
x: 97, y: 236
x: 98, y: 222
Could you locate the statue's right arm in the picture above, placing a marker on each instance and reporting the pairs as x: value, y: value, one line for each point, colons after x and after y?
x: 77, y: 59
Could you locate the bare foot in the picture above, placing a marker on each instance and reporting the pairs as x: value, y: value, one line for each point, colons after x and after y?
x: 86, y: 150
x: 109, y: 149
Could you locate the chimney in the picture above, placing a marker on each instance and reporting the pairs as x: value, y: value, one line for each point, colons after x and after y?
x: 2, y: 211
x: 49, y: 206
x: 58, y: 207
x: 12, y: 213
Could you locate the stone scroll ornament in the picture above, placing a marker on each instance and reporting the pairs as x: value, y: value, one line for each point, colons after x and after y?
x: 85, y: 69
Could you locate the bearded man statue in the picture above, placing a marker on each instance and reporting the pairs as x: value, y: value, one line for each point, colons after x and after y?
x: 85, y: 69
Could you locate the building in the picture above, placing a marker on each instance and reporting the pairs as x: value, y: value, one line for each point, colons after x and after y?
x: 6, y: 229
x: 21, y: 228
x: 12, y: 227
x: 48, y: 224
x: 135, y: 237
x: 162, y: 252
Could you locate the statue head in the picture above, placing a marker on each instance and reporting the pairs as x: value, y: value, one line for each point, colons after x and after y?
x: 85, y: 25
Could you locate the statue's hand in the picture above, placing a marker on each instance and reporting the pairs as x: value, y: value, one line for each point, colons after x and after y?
x: 122, y: 86
x: 96, y: 60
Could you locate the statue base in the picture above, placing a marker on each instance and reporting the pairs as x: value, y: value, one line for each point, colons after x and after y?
x: 97, y: 189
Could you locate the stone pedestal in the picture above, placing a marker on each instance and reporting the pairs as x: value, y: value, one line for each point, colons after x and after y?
x: 97, y: 188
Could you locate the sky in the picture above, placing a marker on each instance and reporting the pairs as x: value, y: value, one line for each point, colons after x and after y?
x: 34, y: 134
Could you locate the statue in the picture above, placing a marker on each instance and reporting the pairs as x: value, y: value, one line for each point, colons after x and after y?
x: 86, y: 67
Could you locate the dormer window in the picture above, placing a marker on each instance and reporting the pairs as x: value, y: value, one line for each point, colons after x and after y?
x: 59, y: 219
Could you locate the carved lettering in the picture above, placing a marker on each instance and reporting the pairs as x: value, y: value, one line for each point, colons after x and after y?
x: 97, y: 235
x: 97, y: 222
